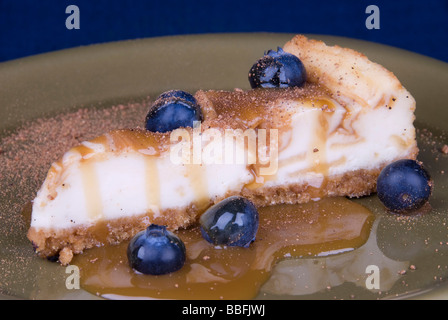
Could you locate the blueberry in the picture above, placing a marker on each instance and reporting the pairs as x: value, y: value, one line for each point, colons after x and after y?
x: 231, y: 222
x: 277, y: 69
x: 178, y: 94
x: 171, y: 110
x: 404, y: 185
x: 156, y: 251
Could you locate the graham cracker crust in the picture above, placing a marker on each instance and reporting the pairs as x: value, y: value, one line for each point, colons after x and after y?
x: 352, y: 184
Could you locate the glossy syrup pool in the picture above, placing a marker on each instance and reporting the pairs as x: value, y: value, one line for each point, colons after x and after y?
x: 318, y: 228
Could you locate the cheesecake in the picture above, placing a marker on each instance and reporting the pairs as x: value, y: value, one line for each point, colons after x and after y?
x: 330, y: 137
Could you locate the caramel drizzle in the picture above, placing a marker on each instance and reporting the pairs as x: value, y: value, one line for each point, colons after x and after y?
x: 152, y: 184
x: 318, y: 153
x: 199, y: 185
x: 91, y: 188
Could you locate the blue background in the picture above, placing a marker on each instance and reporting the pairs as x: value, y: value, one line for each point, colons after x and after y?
x: 29, y: 27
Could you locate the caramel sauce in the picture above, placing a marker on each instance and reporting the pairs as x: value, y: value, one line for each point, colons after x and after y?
x: 91, y: 190
x: 152, y: 183
x: 122, y: 140
x: 261, y: 108
x: 198, y: 183
x: 137, y: 140
x: 318, y: 158
x: 318, y: 228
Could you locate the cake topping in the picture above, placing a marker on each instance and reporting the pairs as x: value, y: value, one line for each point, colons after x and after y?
x: 231, y: 222
x: 404, y: 185
x: 156, y: 251
x: 277, y: 69
x: 171, y: 110
x: 271, y: 107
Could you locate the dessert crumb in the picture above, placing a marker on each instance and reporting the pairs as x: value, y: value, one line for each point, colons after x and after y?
x: 65, y: 256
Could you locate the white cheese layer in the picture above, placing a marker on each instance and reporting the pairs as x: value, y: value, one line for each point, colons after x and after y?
x: 110, y: 185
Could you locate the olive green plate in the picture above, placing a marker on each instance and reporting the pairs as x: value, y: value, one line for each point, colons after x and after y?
x: 411, y: 253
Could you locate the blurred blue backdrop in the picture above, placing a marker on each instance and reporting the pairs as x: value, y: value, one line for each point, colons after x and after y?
x: 29, y: 27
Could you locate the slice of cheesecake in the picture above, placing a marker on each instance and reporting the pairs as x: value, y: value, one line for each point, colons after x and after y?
x: 329, y: 138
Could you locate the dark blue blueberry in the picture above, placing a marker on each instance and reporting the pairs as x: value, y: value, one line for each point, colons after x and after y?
x: 171, y: 110
x: 231, y: 222
x: 404, y: 185
x: 277, y: 69
x: 156, y: 251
